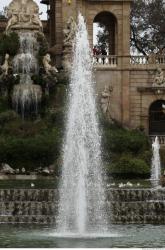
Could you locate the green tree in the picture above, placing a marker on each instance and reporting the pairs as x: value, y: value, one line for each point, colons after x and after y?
x: 148, y: 25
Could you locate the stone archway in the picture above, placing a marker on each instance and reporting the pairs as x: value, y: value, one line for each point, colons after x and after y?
x: 157, y: 118
x: 108, y: 22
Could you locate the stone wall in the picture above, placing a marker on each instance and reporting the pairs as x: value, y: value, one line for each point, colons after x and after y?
x: 129, y: 105
x: 124, y: 206
x: 137, y: 206
x: 28, y: 206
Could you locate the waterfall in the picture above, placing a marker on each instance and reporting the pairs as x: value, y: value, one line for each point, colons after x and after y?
x: 156, y: 165
x: 26, y: 95
x: 82, y: 197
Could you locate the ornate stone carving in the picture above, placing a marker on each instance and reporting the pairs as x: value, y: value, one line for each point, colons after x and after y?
x: 69, y: 31
x: 49, y: 69
x: 5, y: 65
x: 105, y: 100
x: 159, y: 79
x: 23, y: 14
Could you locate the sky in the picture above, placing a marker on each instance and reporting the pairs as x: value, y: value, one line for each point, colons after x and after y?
x: 42, y: 7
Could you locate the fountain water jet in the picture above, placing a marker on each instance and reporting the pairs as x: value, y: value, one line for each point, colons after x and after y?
x: 156, y: 165
x: 82, y: 202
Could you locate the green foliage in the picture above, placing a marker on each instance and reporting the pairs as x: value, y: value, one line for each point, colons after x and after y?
x: 9, y: 43
x: 6, y: 117
x: 3, y: 104
x: 43, y: 46
x: 126, y: 152
x: 30, y: 152
x: 55, y: 118
x: 148, y: 25
x: 127, y: 166
x: 24, y: 129
x: 122, y: 140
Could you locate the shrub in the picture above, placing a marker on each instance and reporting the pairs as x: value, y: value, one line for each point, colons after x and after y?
x: 7, y: 116
x: 32, y: 152
x: 3, y: 104
x: 122, y: 140
x: 56, y: 118
x: 129, y: 151
x: 129, y: 166
x: 9, y: 43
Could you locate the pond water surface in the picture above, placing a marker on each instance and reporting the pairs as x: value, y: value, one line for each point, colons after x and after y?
x: 127, y: 236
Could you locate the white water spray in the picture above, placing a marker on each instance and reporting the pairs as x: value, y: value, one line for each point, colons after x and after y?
x: 26, y: 95
x: 82, y: 198
x: 156, y: 165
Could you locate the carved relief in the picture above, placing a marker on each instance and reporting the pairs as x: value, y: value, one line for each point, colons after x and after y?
x: 159, y: 80
x: 69, y: 31
x: 23, y: 14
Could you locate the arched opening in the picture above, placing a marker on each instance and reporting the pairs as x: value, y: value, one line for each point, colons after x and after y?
x: 104, y: 30
x: 157, y: 118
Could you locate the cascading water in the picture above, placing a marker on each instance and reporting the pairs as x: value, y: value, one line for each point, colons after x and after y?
x: 82, y: 203
x: 156, y: 165
x: 26, y: 95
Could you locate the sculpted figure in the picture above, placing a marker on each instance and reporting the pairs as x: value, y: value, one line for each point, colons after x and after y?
x: 105, y: 99
x: 69, y: 31
x: 5, y: 65
x: 36, y: 18
x: 49, y: 69
x: 23, y: 14
x: 159, y: 77
x: 12, y: 21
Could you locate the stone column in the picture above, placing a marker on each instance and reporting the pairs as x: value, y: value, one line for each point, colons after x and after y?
x: 69, y: 9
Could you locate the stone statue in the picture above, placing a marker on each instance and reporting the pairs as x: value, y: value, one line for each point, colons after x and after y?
x: 159, y: 79
x: 23, y: 14
x: 69, y: 31
x: 49, y: 69
x: 105, y: 100
x: 5, y: 65
x: 12, y: 21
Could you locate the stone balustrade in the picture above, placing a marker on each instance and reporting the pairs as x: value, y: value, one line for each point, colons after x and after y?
x: 142, y: 60
x: 105, y: 60
x: 112, y: 60
x: 160, y: 137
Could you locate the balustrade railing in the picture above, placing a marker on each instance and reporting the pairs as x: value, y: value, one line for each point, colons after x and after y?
x: 113, y: 60
x: 142, y: 60
x: 160, y: 137
x: 105, y: 60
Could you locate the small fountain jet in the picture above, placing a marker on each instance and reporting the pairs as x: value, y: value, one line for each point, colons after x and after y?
x: 156, y: 165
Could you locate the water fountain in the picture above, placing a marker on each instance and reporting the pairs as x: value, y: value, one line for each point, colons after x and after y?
x: 82, y: 205
x: 26, y: 95
x: 156, y: 165
x: 24, y: 19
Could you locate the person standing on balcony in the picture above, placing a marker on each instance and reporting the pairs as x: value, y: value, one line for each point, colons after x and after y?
x: 96, y: 52
x: 103, y: 53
